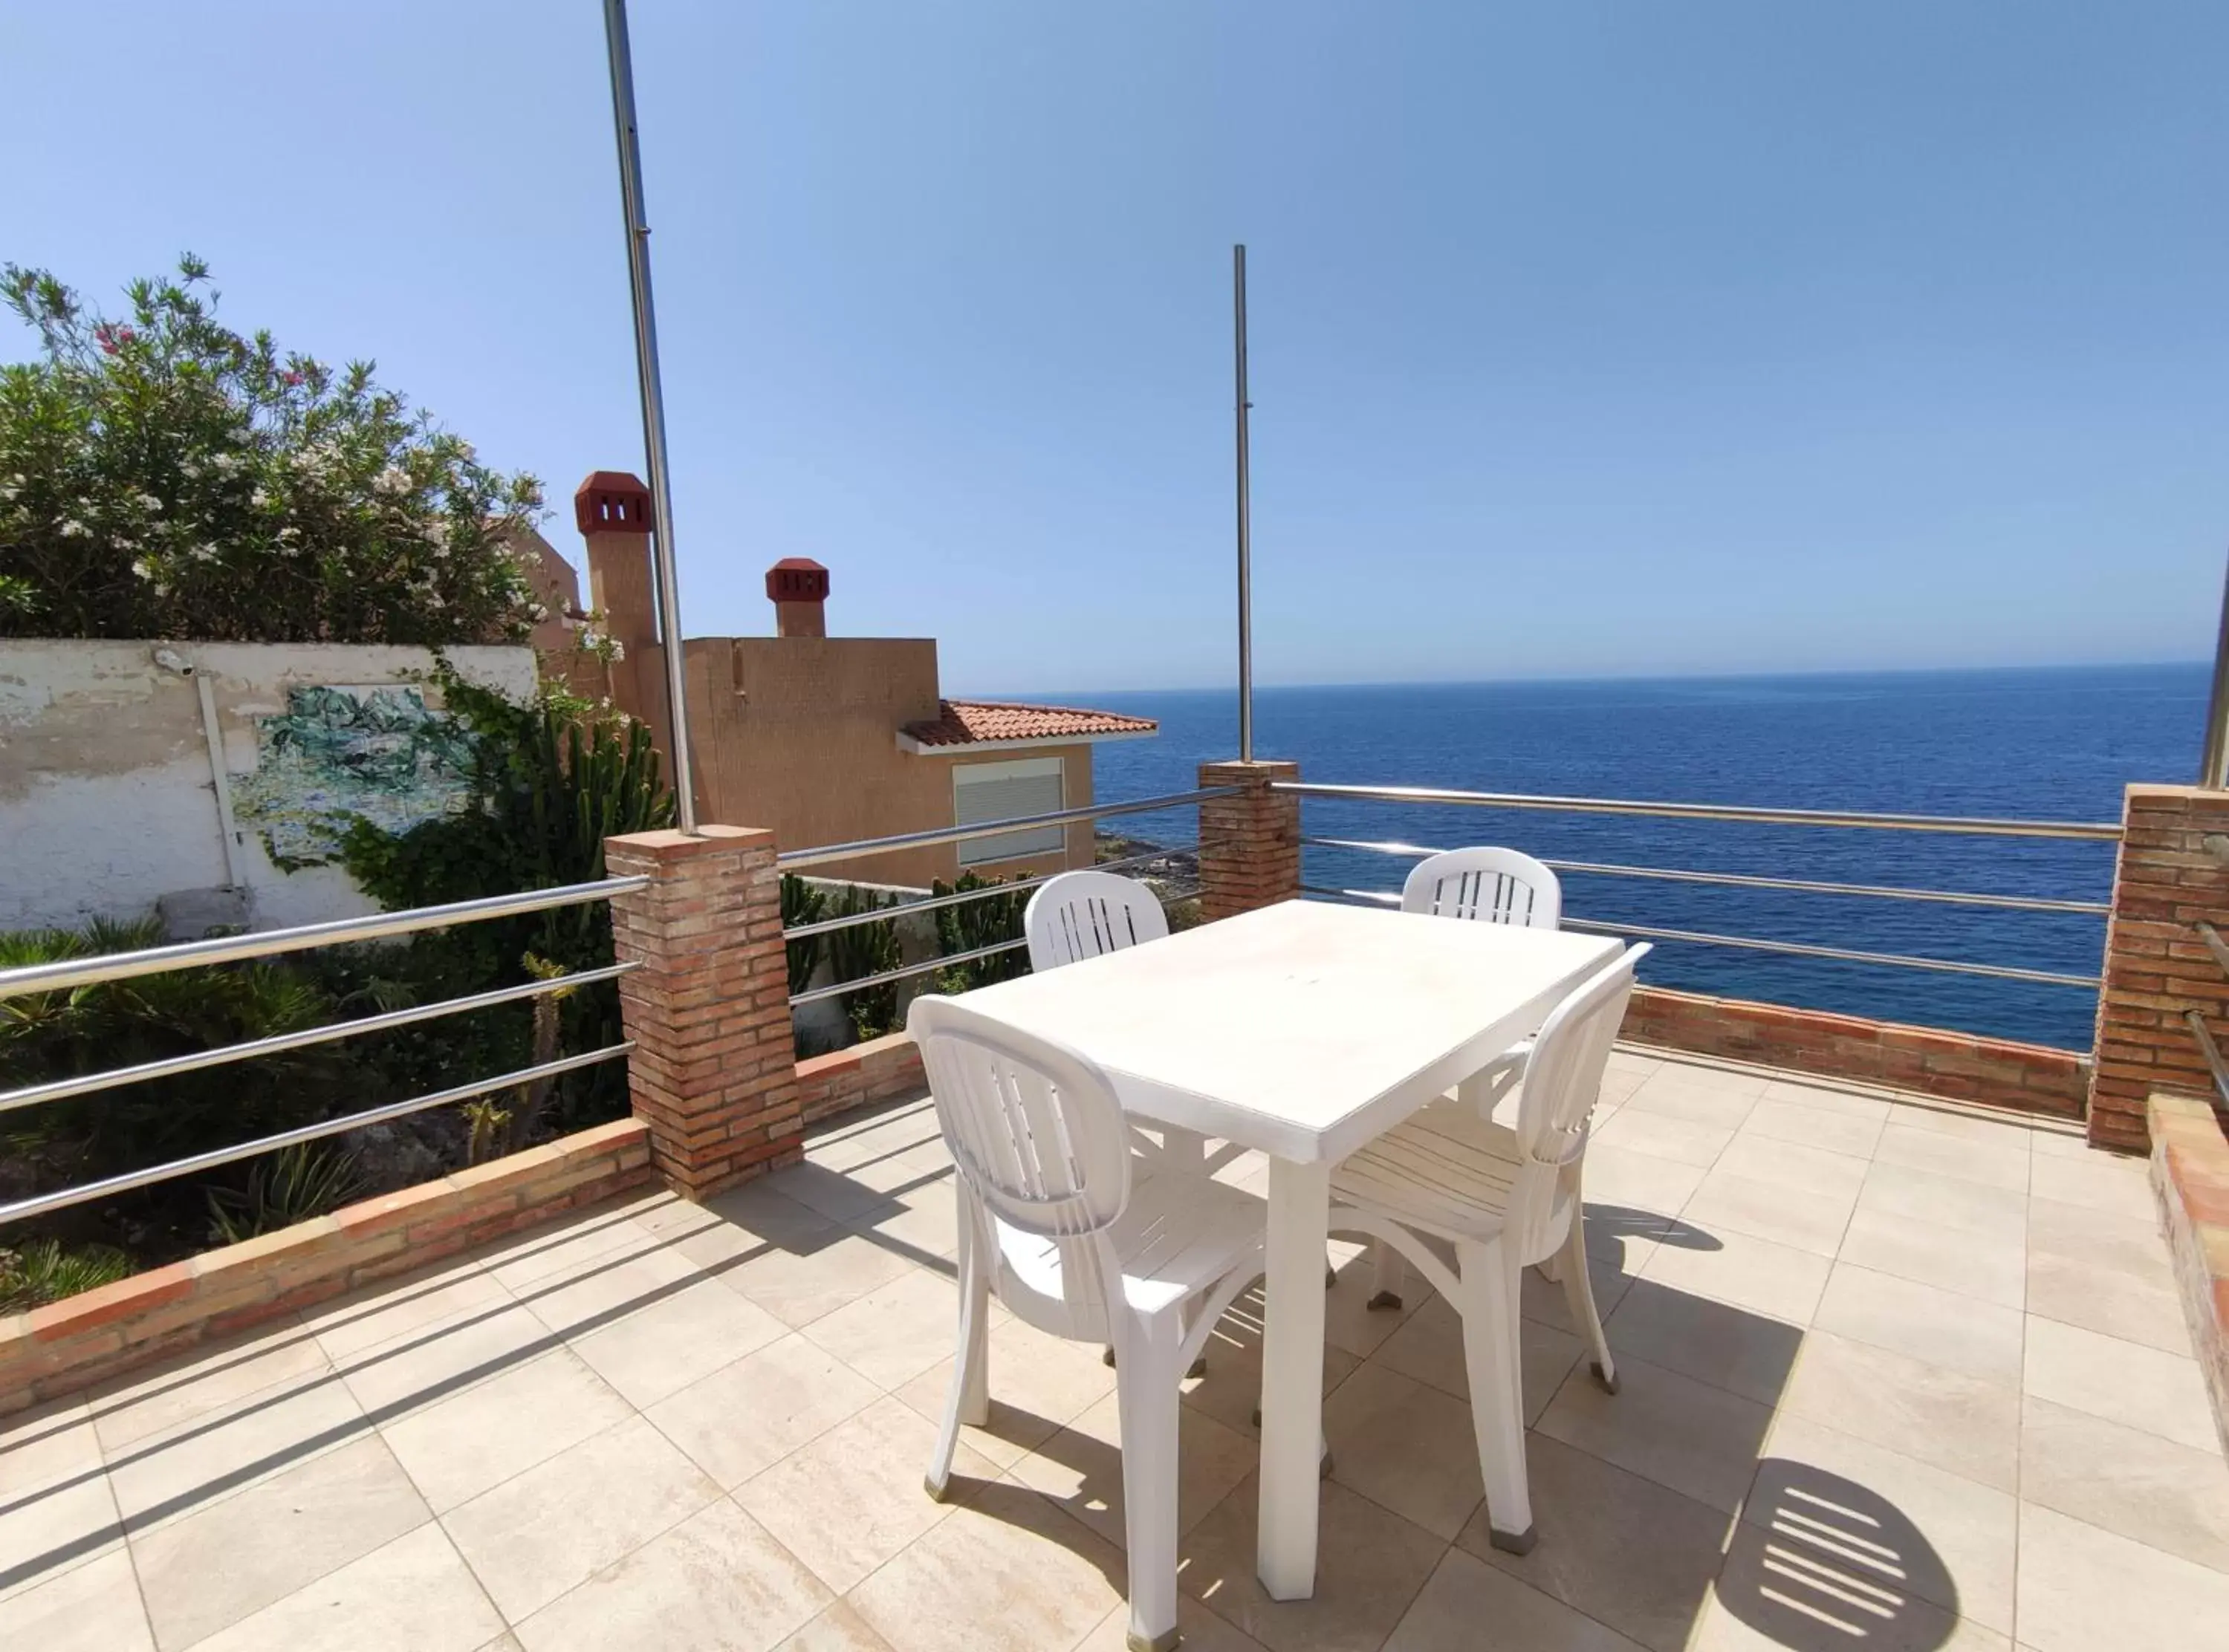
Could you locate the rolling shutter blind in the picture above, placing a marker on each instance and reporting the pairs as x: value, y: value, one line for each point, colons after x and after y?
x: 986, y: 792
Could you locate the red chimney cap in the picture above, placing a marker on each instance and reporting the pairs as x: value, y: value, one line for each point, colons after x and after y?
x: 797, y: 579
x: 612, y: 501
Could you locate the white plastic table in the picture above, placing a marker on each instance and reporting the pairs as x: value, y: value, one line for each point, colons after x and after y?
x: 1304, y: 1030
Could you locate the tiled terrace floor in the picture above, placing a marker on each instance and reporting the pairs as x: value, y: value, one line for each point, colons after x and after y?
x: 1894, y: 1379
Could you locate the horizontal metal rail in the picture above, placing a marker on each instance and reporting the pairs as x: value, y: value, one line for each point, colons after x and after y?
x: 2211, y: 1052
x: 231, y: 949
x: 904, y: 908
x: 1741, y: 881
x: 1797, y: 948
x: 2097, y: 831
x: 277, y: 1044
x: 814, y: 995
x: 796, y: 858
x: 61, y: 1199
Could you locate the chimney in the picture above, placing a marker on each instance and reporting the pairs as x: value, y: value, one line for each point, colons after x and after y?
x: 798, y: 586
x: 612, y: 511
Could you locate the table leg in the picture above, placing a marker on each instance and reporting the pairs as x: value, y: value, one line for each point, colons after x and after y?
x: 1292, y: 1378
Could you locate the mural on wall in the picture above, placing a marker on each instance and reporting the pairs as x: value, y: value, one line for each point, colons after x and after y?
x: 336, y: 753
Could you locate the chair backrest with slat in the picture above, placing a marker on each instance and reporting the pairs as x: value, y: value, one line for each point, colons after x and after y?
x: 1493, y: 886
x: 1563, y: 1080
x: 1080, y: 914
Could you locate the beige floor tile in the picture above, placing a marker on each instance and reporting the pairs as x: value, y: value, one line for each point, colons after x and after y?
x: 831, y: 1193
x: 866, y: 1137
x: 838, y: 1627
x: 1793, y: 1165
x: 1627, y: 1189
x: 1947, y: 1539
x: 1730, y: 1348
x: 415, y: 1592
x: 892, y: 1335
x: 474, y: 1441
x: 1986, y: 1267
x: 715, y: 1582
x: 1774, y: 1594
x: 848, y: 1501
x: 414, y: 1302
x: 46, y: 1444
x: 1777, y: 1280
x: 209, y: 1569
x: 200, y: 1462
x: 89, y: 1607
x: 597, y: 1238
x: 1231, y: 1390
x: 1992, y: 1129
x: 1038, y: 1382
x: 901, y: 1160
x: 1546, y: 1303
x: 1896, y: 1191
x: 2127, y: 1482
x: 748, y: 1416
x: 1370, y: 1565
x: 1939, y: 1327
x: 423, y: 1367
x: 1824, y: 1128
x: 1623, y: 1550
x: 1993, y: 1164
x: 1203, y: 1631
x: 1697, y: 1439
x: 1052, y: 1580
x: 2135, y: 1307
x: 2102, y: 1181
x: 273, y: 1360
x: 1665, y: 1097
x: 2082, y: 1589
x: 921, y: 1225
x: 1664, y: 1135
x: 1429, y: 1349
x: 662, y: 1348
x: 608, y: 1291
x: 734, y: 1229
x: 56, y: 1509
x: 1406, y: 1446
x: 1080, y: 1468
x: 2059, y: 1140
x: 1463, y: 1595
x: 805, y: 1275
x: 1727, y: 1202
x: 2105, y: 1238
x: 2122, y: 1382
x: 554, y: 1527
x: 1831, y: 1098
x: 1946, y: 1418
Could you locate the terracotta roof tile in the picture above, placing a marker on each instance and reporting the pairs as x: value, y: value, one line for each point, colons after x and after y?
x: 971, y: 722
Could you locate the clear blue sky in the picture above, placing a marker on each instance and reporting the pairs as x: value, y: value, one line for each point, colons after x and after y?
x: 1587, y: 339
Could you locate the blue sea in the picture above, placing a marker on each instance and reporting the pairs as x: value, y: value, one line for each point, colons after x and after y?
x: 2055, y: 744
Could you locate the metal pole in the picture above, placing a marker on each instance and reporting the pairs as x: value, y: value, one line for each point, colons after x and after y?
x: 653, y: 406
x: 2213, y: 763
x: 1245, y: 523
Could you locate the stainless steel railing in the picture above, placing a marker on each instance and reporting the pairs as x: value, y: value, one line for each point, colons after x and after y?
x: 2091, y: 831
x: 824, y: 856
x: 72, y: 974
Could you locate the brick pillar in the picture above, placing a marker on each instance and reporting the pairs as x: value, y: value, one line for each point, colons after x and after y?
x: 2165, y: 884
x: 1249, y: 845
x: 713, y: 1070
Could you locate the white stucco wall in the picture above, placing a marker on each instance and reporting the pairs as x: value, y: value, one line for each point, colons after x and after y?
x: 108, y: 803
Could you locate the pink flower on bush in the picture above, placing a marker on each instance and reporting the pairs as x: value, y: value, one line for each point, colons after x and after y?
x: 290, y: 378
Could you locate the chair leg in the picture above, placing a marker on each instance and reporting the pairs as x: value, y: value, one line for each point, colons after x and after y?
x: 1145, y: 1396
x: 1389, y: 1275
x: 969, y: 1400
x: 1497, y: 1394
x: 1579, y: 1293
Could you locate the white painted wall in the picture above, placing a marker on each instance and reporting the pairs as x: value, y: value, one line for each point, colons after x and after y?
x: 108, y: 802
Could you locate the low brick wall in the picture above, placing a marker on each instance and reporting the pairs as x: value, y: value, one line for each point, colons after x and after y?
x: 1962, y: 1067
x: 2190, y: 1174
x: 881, y: 1069
x: 72, y: 1344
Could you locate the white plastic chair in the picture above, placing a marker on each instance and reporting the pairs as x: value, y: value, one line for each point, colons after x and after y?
x: 1487, y: 885
x: 1450, y: 1180
x: 1079, y: 915
x: 1079, y: 1239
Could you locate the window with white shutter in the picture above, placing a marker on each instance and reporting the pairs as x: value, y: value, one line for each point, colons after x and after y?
x: 986, y: 792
